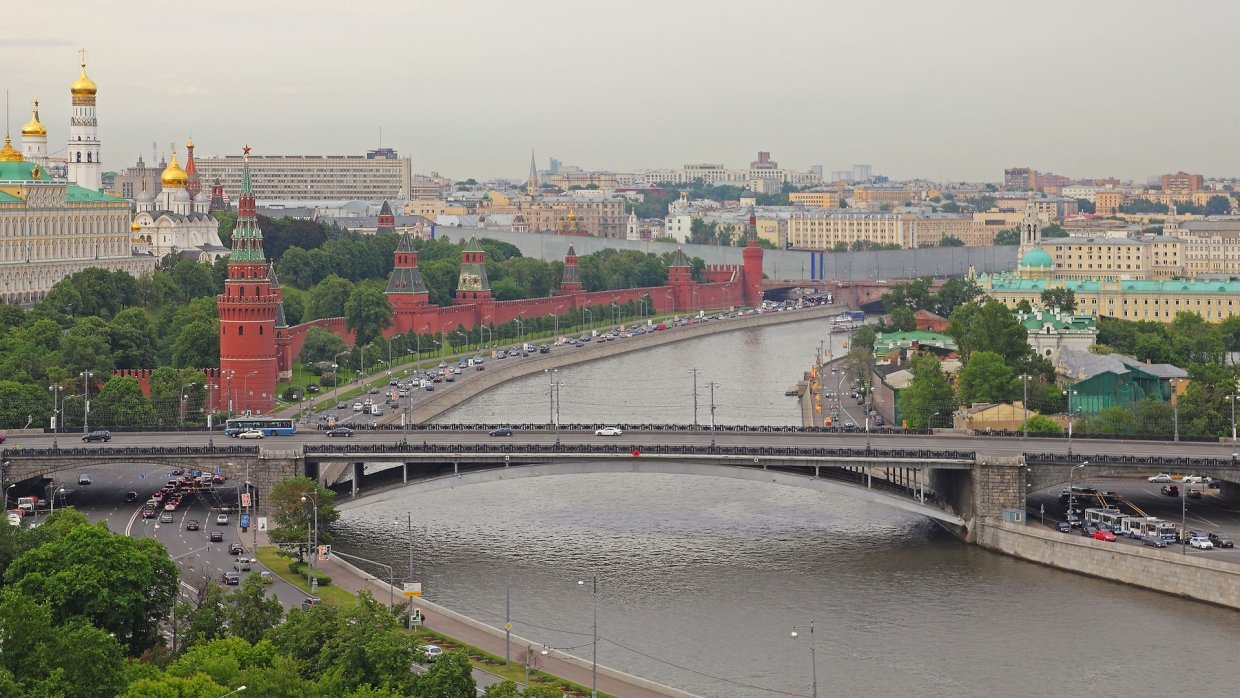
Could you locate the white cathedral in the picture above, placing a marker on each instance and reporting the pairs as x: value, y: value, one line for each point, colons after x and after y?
x: 176, y: 221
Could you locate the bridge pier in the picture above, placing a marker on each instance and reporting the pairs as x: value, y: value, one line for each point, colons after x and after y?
x: 983, y: 492
x: 359, y: 472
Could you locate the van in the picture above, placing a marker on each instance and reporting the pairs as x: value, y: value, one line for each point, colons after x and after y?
x: 528, y: 347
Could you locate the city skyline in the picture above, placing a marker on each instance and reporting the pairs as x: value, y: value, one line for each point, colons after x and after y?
x: 957, y: 91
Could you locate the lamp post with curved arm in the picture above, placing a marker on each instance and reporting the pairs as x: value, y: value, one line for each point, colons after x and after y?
x: 813, y: 658
x: 184, y: 404
x: 312, y: 545
x: 594, y: 660
x: 245, y: 389
x: 56, y: 390
x: 86, y: 376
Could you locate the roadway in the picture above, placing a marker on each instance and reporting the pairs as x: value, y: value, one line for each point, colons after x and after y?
x: 983, y: 445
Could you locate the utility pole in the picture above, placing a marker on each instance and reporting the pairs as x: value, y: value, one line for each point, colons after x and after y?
x: 695, y: 373
x: 712, y: 385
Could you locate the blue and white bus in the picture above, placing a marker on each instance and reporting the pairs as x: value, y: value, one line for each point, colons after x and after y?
x: 270, y: 426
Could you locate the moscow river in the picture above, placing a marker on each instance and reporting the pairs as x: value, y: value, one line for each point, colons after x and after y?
x: 701, y: 580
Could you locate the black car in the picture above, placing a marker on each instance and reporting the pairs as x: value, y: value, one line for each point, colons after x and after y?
x: 231, y: 578
x: 502, y: 431
x: 101, y: 435
x: 340, y: 431
x: 1221, y: 540
x: 1154, y: 542
x: 131, y: 496
x: 1065, y: 527
x: 235, y: 549
x: 191, y: 525
x: 217, y: 537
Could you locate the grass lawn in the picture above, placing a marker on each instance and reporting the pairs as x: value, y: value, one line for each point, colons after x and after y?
x: 278, y: 564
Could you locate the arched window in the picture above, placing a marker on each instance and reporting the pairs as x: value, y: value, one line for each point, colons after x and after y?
x: 88, y: 156
x: 79, y: 156
x: 240, y: 330
x: 260, y: 330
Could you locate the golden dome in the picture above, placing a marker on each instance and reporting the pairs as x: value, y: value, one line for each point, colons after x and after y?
x: 33, y: 127
x: 135, y: 227
x: 8, y: 153
x: 83, y: 86
x: 173, y: 176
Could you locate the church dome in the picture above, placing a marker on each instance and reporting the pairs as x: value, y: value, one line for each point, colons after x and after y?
x: 1037, y: 257
x: 173, y: 176
x: 83, y: 86
x: 135, y: 227
x: 8, y: 153
x: 34, y: 127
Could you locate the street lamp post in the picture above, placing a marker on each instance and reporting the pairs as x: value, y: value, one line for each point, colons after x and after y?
x: 1024, y: 379
x: 1232, y: 398
x: 312, y: 545
x: 813, y: 658
x: 695, y: 372
x: 1069, y: 394
x: 1071, y: 492
x: 409, y: 538
x: 86, y: 376
x: 587, y: 318
x: 245, y: 389
x: 641, y: 305
x: 238, y: 689
x: 56, y: 390
x: 184, y: 402
x: 712, y: 385
x: 520, y: 330
x: 594, y: 660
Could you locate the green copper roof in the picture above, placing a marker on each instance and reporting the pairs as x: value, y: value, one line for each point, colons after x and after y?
x: 680, y: 260
x: 893, y: 340
x: 1039, y: 320
x: 7, y: 198
x: 473, y: 246
x: 80, y: 194
x: 20, y: 171
x: 1005, y: 282
x: 1037, y: 257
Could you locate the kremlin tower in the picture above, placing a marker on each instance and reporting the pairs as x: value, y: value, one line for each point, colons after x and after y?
x: 82, y: 153
x: 751, y: 258
x: 34, y: 139
x: 249, y: 309
x: 570, y: 282
x: 193, y: 183
x: 406, y: 292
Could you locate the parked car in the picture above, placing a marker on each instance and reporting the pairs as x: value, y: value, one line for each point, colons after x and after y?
x: 1191, y: 480
x: 216, y: 537
x: 191, y: 525
x: 1221, y: 540
x: 502, y: 431
x: 232, y: 579
x: 1194, y: 493
x: 84, y: 479
x: 608, y: 431
x: 100, y: 435
x: 1161, y: 477
x: 307, y: 603
x: 340, y: 431
x: 1199, y: 542
x: 1154, y: 542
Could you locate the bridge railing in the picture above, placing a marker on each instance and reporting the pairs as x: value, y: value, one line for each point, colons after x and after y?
x: 591, y: 426
x: 638, y: 450
x: 1179, y: 462
x: 111, y: 451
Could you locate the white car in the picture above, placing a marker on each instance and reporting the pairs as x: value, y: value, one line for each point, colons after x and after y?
x: 1203, y: 543
x: 1192, y: 479
x: 251, y: 434
x: 1161, y: 477
x: 221, y: 520
x: 608, y: 431
x: 357, y: 407
x: 433, y: 652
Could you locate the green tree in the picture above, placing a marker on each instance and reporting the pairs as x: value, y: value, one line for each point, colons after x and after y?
x: 293, y: 517
x: 1194, y: 341
x: 197, y: 345
x: 321, y: 344
x: 1010, y: 236
x: 367, y: 313
x: 503, y: 689
x: 294, y: 302
x: 207, y: 620
x: 451, y: 676
x: 327, y: 299
x: 989, y: 327
x: 193, y: 279
x: 122, y: 403
x: 985, y: 378
x: 902, y: 320
x: 73, y: 658
x: 507, y: 290
x: 1062, y: 298
x: 1218, y: 205
x: 251, y: 613
x: 133, y: 339
x: 1041, y: 424
x: 1053, y: 230
x: 950, y: 241
x: 927, y: 401
x: 122, y: 585
x: 953, y: 294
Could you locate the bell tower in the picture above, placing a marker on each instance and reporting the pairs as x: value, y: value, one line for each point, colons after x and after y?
x: 82, y: 152
x: 249, y: 307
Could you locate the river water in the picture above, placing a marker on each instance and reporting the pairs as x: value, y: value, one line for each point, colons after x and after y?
x: 701, y: 580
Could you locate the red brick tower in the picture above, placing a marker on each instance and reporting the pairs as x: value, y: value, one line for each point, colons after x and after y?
x: 752, y: 264
x: 570, y: 283
x: 680, y: 279
x: 248, y: 309
x: 473, y: 285
x: 406, y: 292
x: 386, y: 222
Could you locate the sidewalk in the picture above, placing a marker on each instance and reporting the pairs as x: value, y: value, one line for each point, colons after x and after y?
x: 438, y: 619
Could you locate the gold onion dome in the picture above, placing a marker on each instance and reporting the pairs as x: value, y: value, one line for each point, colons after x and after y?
x: 83, y: 86
x: 34, y: 127
x: 173, y: 176
x: 8, y: 153
x: 135, y: 227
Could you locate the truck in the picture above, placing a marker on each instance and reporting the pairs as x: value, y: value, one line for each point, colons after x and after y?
x: 28, y: 505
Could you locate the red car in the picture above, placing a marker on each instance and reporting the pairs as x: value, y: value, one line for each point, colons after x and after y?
x: 1, y: 437
x: 1104, y: 534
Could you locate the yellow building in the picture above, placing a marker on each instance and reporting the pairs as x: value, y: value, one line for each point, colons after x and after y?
x: 823, y: 229
x: 1108, y: 201
x: 873, y: 197
x: 1155, y: 257
x: 773, y: 230
x: 815, y: 199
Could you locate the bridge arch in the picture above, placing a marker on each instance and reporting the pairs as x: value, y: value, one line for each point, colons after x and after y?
x: 670, y: 466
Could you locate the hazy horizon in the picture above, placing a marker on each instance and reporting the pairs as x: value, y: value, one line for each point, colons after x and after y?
x: 947, y: 91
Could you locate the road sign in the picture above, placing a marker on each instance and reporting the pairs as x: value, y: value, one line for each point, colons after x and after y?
x: 142, y: 476
x: 413, y: 588
x: 262, y: 523
x: 507, y: 626
x: 325, y: 551
x: 245, y: 521
x: 245, y: 499
x: 219, y: 470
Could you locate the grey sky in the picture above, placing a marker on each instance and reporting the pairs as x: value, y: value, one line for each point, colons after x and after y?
x: 952, y: 89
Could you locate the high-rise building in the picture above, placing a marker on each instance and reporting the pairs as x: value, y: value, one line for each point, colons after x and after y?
x: 377, y: 176
x: 1182, y: 182
x: 860, y: 173
x: 1020, y: 179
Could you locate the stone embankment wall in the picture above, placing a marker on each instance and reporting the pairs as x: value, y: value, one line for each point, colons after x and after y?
x: 1160, y: 569
x: 499, y: 372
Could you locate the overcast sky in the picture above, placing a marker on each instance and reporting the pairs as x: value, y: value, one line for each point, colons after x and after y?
x: 945, y: 90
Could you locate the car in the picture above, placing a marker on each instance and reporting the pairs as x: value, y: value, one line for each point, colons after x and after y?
x: 100, y: 435
x: 84, y: 479
x: 235, y: 548
x: 430, y: 387
x: 221, y: 520
x: 1171, y: 490
x: 502, y: 431
x: 340, y: 431
x: 357, y: 407
x: 307, y: 603
x: 450, y: 378
x: 1221, y: 540
x: 1154, y: 542
x: 544, y: 349
x: 1065, y: 527
x: 1194, y: 493
x: 165, y: 517
x: 178, y: 470
x: 312, y: 388
x: 191, y: 525
x: 1161, y: 477
x: 232, y: 579
x: 148, y: 513
x: 172, y: 505
x: 131, y: 496
x: 848, y: 424
x: 1191, y: 480
x: 374, y: 391
x: 342, y: 405
x: 243, y: 564
x: 608, y: 431
x: 251, y: 434
x: 1202, y: 543
x: 1, y: 437
x: 431, y: 652
x: 216, y: 537
x: 437, y: 379
x: 479, y: 367
x: 1104, y: 534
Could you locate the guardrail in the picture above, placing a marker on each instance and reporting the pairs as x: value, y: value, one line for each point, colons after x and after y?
x: 591, y: 426
x: 1107, y: 459
x: 77, y: 451
x: 638, y: 450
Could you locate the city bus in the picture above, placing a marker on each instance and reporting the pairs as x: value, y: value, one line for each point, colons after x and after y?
x: 270, y: 426
x: 1110, y: 518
